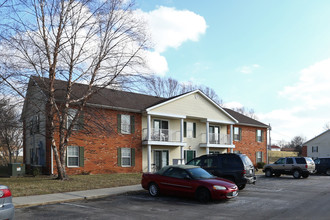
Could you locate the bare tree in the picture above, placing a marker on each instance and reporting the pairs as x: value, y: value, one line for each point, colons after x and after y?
x: 90, y: 41
x: 168, y: 87
x: 326, y: 126
x: 296, y: 143
x: 246, y: 111
x: 10, y: 132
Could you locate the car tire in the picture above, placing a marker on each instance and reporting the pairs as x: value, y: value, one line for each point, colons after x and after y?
x: 305, y: 175
x: 268, y: 173
x: 153, y: 190
x: 296, y: 174
x: 241, y: 187
x: 203, y: 195
x: 327, y: 172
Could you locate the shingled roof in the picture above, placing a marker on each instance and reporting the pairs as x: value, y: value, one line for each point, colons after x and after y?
x: 245, y: 120
x: 104, y: 97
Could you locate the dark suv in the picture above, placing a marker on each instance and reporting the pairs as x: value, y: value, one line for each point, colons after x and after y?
x: 322, y: 165
x: 235, y: 167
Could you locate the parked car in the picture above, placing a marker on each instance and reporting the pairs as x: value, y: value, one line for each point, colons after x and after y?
x: 7, y: 210
x: 322, y: 165
x: 296, y: 166
x: 191, y: 181
x: 237, y: 168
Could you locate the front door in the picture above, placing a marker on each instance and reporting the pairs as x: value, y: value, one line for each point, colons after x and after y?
x: 160, y: 158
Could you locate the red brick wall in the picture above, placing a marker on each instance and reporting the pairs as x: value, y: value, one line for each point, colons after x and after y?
x: 100, y: 148
x: 304, y: 151
x: 248, y: 144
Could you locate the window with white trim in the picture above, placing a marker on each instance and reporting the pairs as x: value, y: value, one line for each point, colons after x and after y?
x: 237, y: 134
x: 259, y: 156
x: 71, y: 114
x: 315, y: 149
x: 259, y: 135
x: 73, y: 156
x: 126, y: 157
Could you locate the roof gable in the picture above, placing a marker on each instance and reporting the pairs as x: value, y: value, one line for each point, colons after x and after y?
x: 192, y: 104
x: 325, y: 134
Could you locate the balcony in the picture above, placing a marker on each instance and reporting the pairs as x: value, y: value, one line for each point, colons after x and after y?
x: 215, y: 140
x: 162, y: 137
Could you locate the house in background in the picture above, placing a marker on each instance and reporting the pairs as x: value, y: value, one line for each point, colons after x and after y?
x: 145, y: 132
x: 275, y: 148
x: 250, y: 137
x: 318, y: 146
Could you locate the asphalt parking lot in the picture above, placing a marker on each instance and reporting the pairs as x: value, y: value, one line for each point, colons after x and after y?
x: 270, y: 198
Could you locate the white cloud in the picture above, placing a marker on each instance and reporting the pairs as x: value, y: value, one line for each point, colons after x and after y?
x: 170, y: 28
x: 313, y: 87
x: 248, y: 69
x: 307, y: 110
x: 233, y: 105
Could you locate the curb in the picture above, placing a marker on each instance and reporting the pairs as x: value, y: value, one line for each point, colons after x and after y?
x: 47, y: 199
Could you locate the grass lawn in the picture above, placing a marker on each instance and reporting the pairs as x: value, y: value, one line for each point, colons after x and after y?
x: 25, y: 186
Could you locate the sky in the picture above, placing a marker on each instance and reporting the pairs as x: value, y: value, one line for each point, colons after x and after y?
x: 270, y: 56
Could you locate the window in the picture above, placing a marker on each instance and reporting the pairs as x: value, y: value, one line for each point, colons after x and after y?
x: 289, y: 161
x: 34, y: 124
x: 78, y: 122
x: 126, y: 157
x: 214, y: 134
x: 214, y: 152
x: 125, y: 124
x: 315, y: 149
x: 237, y: 134
x: 280, y: 161
x: 160, y: 131
x: 189, y: 129
x: 259, y: 156
x: 73, y: 156
x: 259, y: 135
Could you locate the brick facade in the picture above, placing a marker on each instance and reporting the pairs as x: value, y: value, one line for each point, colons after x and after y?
x: 248, y: 144
x: 101, y: 148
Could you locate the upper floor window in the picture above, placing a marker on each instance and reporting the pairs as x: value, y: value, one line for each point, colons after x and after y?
x: 260, y: 135
x: 237, y: 134
x: 35, y: 124
x: 189, y: 129
x: 125, y: 124
x: 315, y: 149
x: 79, y: 121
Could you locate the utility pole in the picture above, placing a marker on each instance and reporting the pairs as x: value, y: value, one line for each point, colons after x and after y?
x: 269, y: 143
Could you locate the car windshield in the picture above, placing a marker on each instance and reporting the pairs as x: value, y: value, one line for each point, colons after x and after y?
x: 199, y: 173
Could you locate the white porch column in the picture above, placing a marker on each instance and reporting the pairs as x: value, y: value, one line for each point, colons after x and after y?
x: 181, y: 130
x: 207, y: 132
x: 207, y: 150
x: 148, y: 127
x: 182, y: 155
x: 231, y: 138
x: 149, y: 158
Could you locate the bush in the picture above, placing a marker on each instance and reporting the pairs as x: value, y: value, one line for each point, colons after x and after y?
x: 260, y: 165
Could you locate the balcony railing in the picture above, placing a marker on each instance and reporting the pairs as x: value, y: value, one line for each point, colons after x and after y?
x: 165, y: 135
x: 215, y: 138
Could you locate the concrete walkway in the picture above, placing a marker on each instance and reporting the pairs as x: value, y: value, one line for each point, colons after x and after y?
x: 26, y: 201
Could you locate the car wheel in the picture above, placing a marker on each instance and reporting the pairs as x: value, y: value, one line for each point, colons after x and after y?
x: 268, y: 173
x: 203, y: 195
x: 327, y: 172
x: 153, y: 189
x: 305, y: 175
x: 296, y: 174
x: 277, y: 174
x: 240, y: 187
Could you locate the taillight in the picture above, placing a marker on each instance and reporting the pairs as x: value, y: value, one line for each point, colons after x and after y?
x: 306, y: 166
x: 5, y: 193
x: 243, y: 172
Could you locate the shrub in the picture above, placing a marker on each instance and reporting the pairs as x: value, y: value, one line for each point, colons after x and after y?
x: 260, y: 165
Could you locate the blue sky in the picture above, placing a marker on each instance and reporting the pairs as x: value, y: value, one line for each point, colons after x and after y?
x: 271, y: 56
